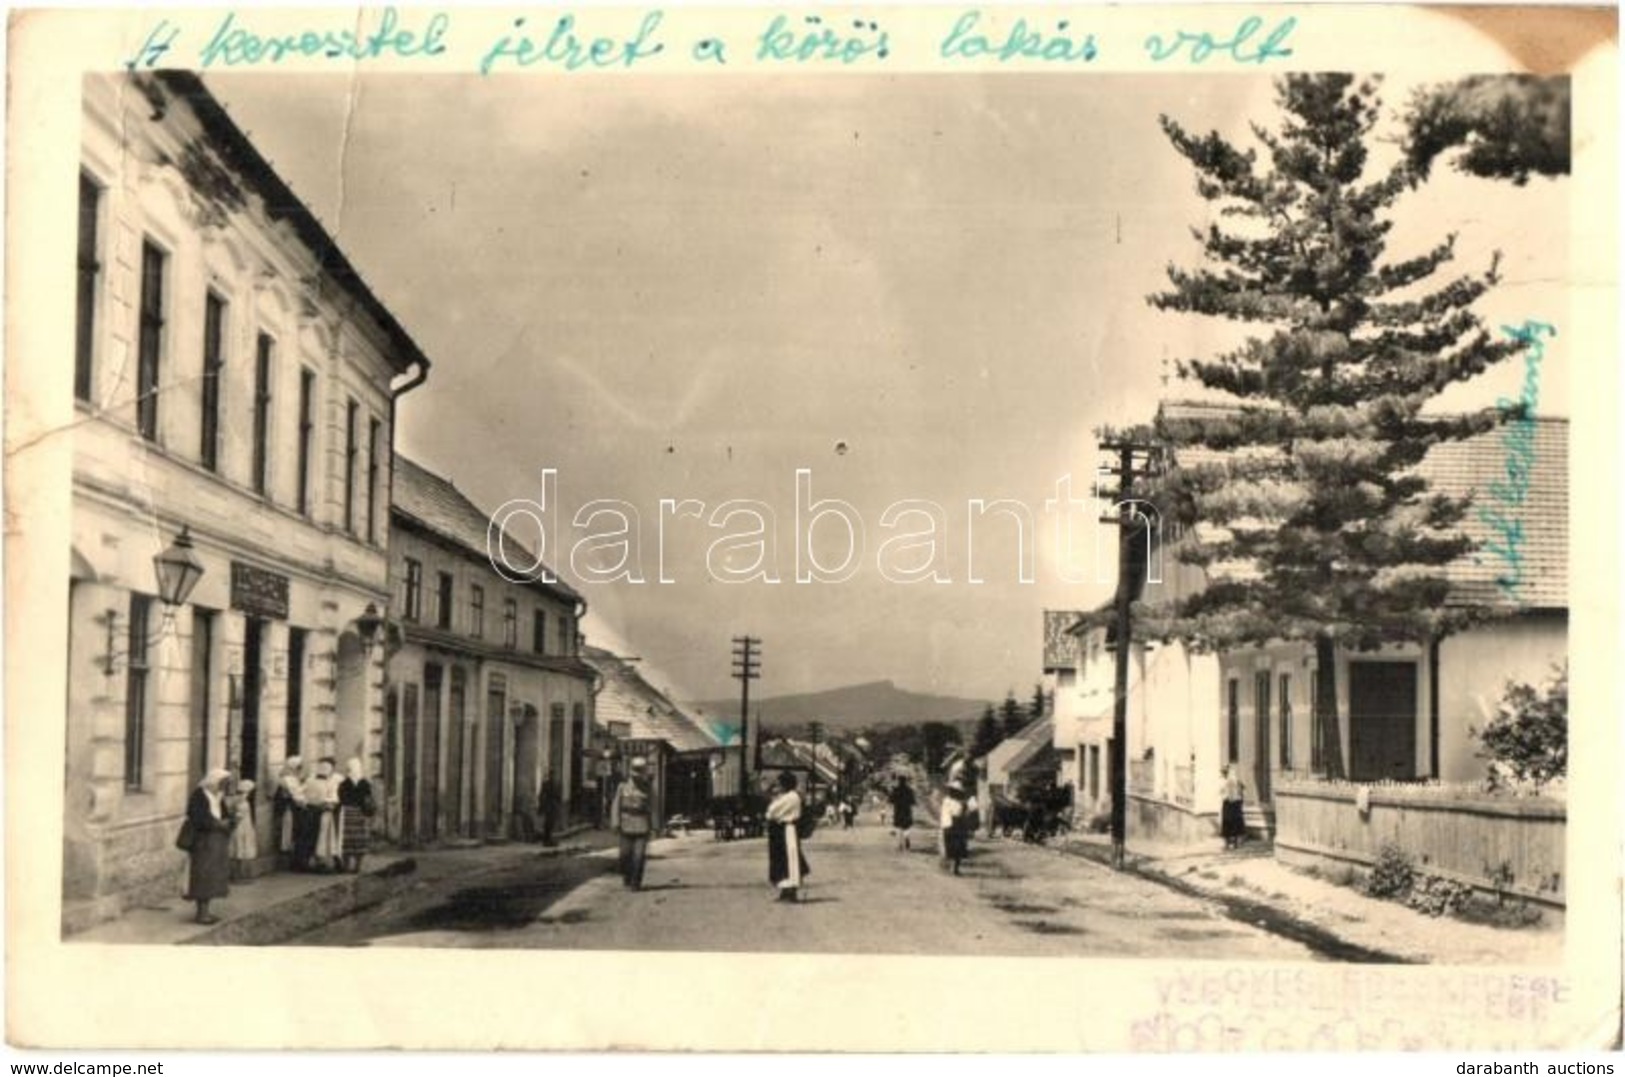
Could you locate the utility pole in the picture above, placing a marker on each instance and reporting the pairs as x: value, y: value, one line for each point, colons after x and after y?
x: 1135, y: 460
x: 747, y: 667
x: 812, y: 775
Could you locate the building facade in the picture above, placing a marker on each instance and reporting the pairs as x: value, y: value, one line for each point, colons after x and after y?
x: 1406, y: 711
x: 487, y: 691
x: 235, y: 380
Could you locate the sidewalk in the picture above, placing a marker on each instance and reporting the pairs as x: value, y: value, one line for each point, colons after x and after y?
x: 278, y: 907
x: 1252, y: 884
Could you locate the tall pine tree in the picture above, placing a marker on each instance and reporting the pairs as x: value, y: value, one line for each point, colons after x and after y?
x: 1310, y: 477
x: 987, y: 734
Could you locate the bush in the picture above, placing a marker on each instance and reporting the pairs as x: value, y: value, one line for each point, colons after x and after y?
x: 1393, y: 874
x: 1528, y: 739
x: 1436, y: 896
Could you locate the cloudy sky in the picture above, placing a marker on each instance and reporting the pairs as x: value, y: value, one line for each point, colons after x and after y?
x: 921, y: 288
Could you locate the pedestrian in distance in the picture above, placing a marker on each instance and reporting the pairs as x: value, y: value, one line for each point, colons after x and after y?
x: 631, y: 816
x: 206, y: 837
x: 902, y: 812
x: 786, y: 868
x: 958, y: 813
x: 1232, y: 822
x: 356, y: 809
x: 849, y: 813
x: 547, y: 807
x: 245, y: 846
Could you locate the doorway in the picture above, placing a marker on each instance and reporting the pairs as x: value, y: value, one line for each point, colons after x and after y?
x: 456, y: 810
x: 527, y: 738
x: 1382, y: 721
x: 1261, y: 735
x: 496, y: 707
x: 253, y: 688
x: 429, y: 829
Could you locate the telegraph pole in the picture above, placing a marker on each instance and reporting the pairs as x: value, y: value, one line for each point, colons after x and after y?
x: 1134, y: 461
x: 812, y: 775
x: 747, y: 656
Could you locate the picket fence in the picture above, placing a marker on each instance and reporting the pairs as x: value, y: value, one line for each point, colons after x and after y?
x: 1510, y: 845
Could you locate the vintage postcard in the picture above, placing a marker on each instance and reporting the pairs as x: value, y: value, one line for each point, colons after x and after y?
x: 563, y: 527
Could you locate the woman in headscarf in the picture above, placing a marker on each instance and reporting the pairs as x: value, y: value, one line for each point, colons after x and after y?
x: 356, y: 809
x: 287, y: 806
x: 786, y: 867
x: 321, y: 815
x: 210, y: 851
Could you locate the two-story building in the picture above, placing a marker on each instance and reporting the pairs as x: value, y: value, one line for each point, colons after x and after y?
x: 487, y: 689
x: 235, y: 384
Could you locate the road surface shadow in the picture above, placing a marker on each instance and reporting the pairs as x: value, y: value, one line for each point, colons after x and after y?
x: 1022, y: 907
x: 1048, y: 927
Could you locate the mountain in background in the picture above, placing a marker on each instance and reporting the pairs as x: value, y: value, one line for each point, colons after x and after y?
x: 854, y: 707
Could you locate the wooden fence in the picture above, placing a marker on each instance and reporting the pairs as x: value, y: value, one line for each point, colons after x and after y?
x: 1510, y: 845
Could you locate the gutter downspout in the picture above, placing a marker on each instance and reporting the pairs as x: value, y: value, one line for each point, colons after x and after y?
x: 418, y: 377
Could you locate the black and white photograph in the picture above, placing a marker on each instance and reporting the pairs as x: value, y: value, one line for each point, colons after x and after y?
x: 1037, y: 512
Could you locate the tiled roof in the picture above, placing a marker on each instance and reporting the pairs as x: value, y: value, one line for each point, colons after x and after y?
x: 1478, y: 467
x: 436, y: 505
x: 1019, y: 749
x: 1060, y: 646
x: 650, y: 714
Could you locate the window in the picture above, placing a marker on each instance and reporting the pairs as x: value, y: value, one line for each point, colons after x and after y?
x: 442, y: 613
x: 1286, y: 721
x: 90, y: 202
x: 412, y: 601
x: 476, y: 611
x: 263, y: 350
x: 1316, y: 748
x: 351, y: 414
x: 373, y: 430
x: 538, y: 632
x: 307, y: 428
x: 135, y: 693
x: 151, y: 339
x: 214, y: 344
x: 567, y: 641
x: 1233, y: 748
x: 510, y: 623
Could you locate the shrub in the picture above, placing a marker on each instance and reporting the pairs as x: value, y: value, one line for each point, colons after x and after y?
x: 1393, y: 874
x: 1528, y: 739
x: 1437, y: 896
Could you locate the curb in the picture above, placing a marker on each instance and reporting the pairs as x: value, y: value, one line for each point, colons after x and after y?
x: 1259, y: 914
x: 348, y: 896
x: 296, y: 916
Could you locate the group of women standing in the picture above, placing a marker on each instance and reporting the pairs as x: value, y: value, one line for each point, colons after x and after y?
x: 322, y: 819
x: 322, y: 824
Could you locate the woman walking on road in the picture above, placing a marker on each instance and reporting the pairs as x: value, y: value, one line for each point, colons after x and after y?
x: 902, y: 812
x: 957, y: 806
x: 786, y: 867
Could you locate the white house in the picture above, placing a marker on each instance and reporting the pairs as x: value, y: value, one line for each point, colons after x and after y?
x: 235, y: 383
